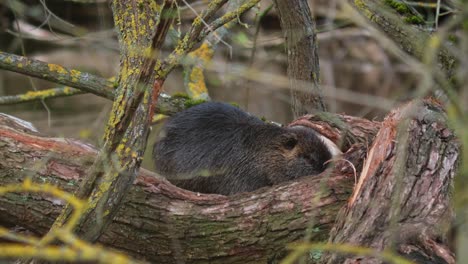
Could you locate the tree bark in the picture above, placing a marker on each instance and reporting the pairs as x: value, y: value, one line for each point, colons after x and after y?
x: 161, y: 223
x: 402, y: 201
x: 303, y: 62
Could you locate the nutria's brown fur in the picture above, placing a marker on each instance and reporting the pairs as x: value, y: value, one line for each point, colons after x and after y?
x: 218, y: 148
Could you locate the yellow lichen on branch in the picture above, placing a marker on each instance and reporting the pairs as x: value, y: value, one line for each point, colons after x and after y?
x: 57, y: 68
x: 55, y: 73
x: 63, y: 253
x: 73, y: 249
x: 196, y: 86
x: 128, y: 125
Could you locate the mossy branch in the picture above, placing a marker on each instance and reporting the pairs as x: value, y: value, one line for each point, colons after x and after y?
x: 411, y: 38
x: 166, y: 104
x: 128, y: 125
x: 56, y: 73
x: 39, y: 95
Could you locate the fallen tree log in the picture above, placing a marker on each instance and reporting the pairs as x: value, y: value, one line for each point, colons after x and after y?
x: 159, y: 222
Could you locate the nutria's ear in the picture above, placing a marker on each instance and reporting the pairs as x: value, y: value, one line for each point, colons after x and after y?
x: 288, y: 140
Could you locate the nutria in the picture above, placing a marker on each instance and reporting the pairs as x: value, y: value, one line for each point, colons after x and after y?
x: 218, y: 148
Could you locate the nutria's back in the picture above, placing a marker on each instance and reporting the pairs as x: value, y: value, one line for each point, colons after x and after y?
x: 218, y: 148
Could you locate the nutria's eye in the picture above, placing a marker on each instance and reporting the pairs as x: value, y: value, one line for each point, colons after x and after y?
x: 290, y: 141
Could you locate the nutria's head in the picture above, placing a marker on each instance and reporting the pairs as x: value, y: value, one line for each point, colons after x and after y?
x: 292, y: 153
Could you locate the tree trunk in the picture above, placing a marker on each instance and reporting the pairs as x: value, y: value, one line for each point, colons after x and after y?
x: 303, y: 62
x: 161, y: 223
